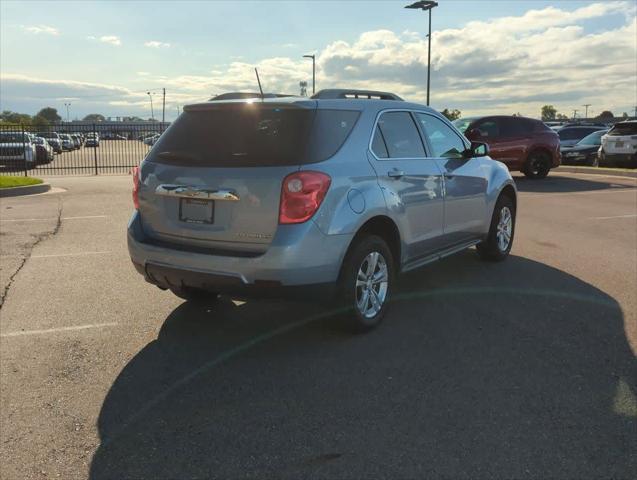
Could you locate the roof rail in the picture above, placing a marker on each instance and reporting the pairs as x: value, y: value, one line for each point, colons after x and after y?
x: 335, y: 93
x: 246, y: 95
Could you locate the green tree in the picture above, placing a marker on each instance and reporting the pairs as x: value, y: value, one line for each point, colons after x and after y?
x: 451, y: 115
x: 561, y: 116
x: 7, y: 116
x: 624, y: 115
x: 40, y: 121
x: 606, y: 114
x: 548, y: 112
x: 94, y: 117
x: 50, y: 114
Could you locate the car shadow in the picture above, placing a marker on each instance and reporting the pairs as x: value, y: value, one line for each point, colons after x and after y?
x: 480, y: 370
x: 558, y: 184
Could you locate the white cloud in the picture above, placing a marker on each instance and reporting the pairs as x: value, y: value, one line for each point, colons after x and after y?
x: 109, y: 39
x: 156, y: 44
x: 143, y: 74
x: 37, y: 29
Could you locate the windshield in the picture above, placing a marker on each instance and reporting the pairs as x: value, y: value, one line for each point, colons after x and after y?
x: 11, y: 137
x: 593, y: 139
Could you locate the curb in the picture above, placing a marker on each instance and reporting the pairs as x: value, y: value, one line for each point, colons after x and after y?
x: 615, y: 172
x: 25, y: 190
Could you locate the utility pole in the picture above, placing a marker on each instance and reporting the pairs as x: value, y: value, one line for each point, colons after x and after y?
x: 575, y: 110
x: 313, y: 57
x: 586, y: 105
x: 163, y: 106
x: 427, y: 6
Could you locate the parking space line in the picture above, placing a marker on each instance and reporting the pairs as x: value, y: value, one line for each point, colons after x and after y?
x: 632, y: 215
x: 51, y: 218
x: 561, y: 194
x: 56, y: 330
x: 76, y: 254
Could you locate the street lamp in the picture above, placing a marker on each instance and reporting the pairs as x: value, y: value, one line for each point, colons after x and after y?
x: 152, y: 112
x: 67, y: 105
x: 313, y: 57
x: 426, y: 5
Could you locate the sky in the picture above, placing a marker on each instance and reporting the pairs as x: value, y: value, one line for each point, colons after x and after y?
x: 487, y: 56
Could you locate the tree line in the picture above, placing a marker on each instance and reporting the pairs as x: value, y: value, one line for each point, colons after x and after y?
x: 49, y: 115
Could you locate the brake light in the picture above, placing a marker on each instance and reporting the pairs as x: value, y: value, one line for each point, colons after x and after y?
x: 136, y: 183
x: 301, y: 196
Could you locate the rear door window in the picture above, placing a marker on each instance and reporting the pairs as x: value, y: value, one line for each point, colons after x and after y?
x: 378, y: 144
x: 515, y: 127
x: 488, y: 128
x: 401, y: 136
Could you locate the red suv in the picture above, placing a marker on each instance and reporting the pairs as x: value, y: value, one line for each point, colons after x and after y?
x: 520, y: 143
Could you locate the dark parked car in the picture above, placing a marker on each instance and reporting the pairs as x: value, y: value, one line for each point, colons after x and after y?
x: 520, y: 143
x: 570, y: 135
x: 584, y: 152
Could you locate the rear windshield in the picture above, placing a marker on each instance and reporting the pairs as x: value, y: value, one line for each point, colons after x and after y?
x: 624, y: 129
x: 254, y: 135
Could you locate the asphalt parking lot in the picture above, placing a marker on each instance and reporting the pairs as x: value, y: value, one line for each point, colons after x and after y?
x: 521, y: 369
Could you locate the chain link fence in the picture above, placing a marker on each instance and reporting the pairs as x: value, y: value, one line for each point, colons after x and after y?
x: 75, y: 148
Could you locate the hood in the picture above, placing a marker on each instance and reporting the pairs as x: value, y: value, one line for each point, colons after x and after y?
x: 580, y: 149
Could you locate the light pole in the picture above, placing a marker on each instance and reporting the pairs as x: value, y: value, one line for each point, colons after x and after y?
x: 152, y: 112
x: 426, y: 5
x: 586, y: 105
x: 313, y: 57
x: 67, y: 105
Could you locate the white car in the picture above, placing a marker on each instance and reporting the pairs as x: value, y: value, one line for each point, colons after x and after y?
x: 16, y: 149
x: 619, y: 145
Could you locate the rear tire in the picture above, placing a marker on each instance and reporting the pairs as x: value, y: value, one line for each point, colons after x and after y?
x: 366, y: 283
x: 195, y: 294
x: 537, y: 165
x: 499, y: 241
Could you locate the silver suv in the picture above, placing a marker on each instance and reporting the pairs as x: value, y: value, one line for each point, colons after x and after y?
x: 332, y: 195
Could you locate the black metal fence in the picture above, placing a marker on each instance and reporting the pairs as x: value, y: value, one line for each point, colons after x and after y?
x: 75, y: 148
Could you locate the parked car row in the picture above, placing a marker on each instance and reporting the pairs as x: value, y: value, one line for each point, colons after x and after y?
x: 601, y: 145
x: 18, y: 148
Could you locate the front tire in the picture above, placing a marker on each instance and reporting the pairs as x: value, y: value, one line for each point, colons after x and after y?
x: 499, y: 241
x: 366, y: 283
x: 538, y: 165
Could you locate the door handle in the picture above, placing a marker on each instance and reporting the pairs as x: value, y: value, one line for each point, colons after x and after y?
x: 395, y: 173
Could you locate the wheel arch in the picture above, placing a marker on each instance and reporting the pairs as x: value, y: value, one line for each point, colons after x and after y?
x: 384, y: 227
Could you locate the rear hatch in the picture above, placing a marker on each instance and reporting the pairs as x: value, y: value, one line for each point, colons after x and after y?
x: 213, y: 179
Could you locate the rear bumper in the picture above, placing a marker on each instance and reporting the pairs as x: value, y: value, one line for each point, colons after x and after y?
x: 606, y: 158
x: 301, y: 260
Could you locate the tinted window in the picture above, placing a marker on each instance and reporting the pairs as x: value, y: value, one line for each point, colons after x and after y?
x: 593, y: 139
x: 329, y: 131
x: 444, y: 141
x: 515, y: 127
x: 624, y: 129
x: 488, y: 128
x: 570, y: 134
x: 378, y: 144
x: 242, y: 135
x: 401, y: 135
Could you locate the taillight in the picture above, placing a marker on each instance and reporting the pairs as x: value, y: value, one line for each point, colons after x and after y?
x: 136, y: 182
x: 301, y: 196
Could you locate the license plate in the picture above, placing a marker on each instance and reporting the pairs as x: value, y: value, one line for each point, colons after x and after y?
x: 193, y: 210
x: 619, y: 144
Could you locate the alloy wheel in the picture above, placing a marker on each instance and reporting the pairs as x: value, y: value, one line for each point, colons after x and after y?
x: 372, y: 282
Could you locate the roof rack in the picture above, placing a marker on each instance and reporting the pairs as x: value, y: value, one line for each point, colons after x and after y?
x: 335, y: 93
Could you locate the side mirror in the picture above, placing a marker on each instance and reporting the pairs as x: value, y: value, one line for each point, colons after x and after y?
x: 477, y: 149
